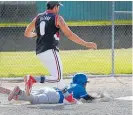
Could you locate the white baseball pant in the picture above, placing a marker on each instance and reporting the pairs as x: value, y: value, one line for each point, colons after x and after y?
x: 51, y: 60
x: 41, y: 96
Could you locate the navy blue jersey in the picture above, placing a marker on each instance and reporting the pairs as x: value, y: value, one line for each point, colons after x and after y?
x: 47, y: 32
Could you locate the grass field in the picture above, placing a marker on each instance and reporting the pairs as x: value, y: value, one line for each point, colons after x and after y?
x: 16, y: 64
x: 74, y: 23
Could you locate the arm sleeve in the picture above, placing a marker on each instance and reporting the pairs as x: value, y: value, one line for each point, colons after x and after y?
x: 83, y: 93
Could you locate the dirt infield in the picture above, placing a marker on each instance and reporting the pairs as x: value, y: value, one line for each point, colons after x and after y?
x: 114, y: 88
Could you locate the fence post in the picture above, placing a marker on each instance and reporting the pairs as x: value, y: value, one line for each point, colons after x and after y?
x: 113, y: 37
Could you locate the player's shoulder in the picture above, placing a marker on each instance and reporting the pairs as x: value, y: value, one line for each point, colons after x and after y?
x: 44, y: 13
x: 60, y: 17
x: 40, y: 14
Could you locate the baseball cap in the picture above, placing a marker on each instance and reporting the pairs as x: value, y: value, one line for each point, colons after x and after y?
x: 80, y: 78
x: 53, y: 3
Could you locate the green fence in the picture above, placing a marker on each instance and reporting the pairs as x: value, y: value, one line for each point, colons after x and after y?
x: 25, y: 11
x: 89, y: 10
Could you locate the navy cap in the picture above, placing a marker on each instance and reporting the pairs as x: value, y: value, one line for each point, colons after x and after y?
x: 53, y: 3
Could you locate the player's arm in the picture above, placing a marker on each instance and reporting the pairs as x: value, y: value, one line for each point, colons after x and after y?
x: 29, y: 30
x: 72, y: 36
x: 83, y: 95
x: 88, y: 97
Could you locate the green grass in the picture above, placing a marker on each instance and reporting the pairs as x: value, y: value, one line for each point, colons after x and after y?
x: 74, y: 23
x: 16, y: 64
x: 99, y: 23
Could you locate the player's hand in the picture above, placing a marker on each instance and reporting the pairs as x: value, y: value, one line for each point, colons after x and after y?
x: 91, y: 45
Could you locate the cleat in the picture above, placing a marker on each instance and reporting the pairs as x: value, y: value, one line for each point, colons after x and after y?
x: 29, y: 81
x: 14, y: 94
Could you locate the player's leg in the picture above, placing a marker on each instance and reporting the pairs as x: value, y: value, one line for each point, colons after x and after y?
x: 51, y: 60
x: 46, y: 96
x: 54, y: 65
x: 11, y: 94
x: 42, y: 96
x: 14, y: 94
x: 4, y: 90
x: 19, y: 94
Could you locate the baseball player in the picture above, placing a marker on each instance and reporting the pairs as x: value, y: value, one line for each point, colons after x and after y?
x: 47, y: 26
x: 54, y: 95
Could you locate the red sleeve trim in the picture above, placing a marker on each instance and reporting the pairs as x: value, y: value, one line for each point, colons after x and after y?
x: 58, y: 34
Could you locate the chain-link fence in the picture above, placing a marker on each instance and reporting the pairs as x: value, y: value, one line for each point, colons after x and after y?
x: 18, y: 58
x: 117, y: 42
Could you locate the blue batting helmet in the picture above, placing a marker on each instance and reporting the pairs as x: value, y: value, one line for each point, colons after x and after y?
x: 80, y: 78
